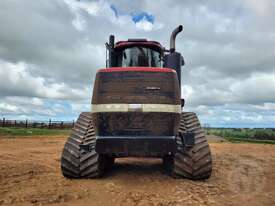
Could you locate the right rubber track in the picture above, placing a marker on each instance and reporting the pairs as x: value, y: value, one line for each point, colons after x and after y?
x: 196, y: 162
x: 75, y: 162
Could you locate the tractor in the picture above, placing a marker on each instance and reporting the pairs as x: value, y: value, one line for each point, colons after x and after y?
x: 137, y: 111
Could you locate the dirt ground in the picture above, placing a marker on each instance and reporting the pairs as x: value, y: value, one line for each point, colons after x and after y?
x: 244, y: 174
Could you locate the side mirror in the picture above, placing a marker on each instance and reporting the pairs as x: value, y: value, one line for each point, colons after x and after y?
x: 182, y: 102
x: 182, y: 61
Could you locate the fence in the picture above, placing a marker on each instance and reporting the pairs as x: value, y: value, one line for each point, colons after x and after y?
x: 37, y: 124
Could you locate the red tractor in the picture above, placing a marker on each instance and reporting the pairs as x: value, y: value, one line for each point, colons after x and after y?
x: 137, y: 111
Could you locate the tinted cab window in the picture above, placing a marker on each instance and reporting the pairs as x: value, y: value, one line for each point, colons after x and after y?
x: 139, y: 56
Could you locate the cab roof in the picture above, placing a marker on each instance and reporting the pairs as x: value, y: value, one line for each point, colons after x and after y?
x: 139, y: 42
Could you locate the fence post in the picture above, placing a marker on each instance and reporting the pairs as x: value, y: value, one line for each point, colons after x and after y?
x: 26, y: 123
x: 50, y: 122
x: 3, y: 122
x: 73, y: 122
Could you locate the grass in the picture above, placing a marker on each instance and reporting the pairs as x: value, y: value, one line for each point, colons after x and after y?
x: 264, y: 136
x: 241, y: 140
x: 11, y: 131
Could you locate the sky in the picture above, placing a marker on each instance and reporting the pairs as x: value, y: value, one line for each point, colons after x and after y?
x: 50, y: 52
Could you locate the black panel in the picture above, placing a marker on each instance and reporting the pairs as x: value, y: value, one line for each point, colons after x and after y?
x: 174, y: 61
x: 136, y: 146
x: 136, y: 123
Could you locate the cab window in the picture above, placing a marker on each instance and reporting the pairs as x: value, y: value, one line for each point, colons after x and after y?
x: 139, y: 56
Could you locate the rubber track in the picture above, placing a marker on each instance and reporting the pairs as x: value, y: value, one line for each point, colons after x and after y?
x: 76, y: 163
x: 193, y: 163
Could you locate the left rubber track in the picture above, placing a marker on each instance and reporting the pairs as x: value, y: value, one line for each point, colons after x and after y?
x: 77, y: 163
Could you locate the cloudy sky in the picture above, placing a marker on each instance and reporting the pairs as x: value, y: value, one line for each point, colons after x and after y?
x: 50, y: 51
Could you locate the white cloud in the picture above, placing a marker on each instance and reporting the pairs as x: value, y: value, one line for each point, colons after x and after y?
x: 49, y: 58
x: 80, y: 107
x: 144, y: 25
x: 79, y: 23
x: 266, y: 106
x: 102, y: 9
x: 261, y: 8
x: 91, y: 7
x: 16, y: 80
x: 8, y: 107
x: 187, y: 91
x: 257, y: 88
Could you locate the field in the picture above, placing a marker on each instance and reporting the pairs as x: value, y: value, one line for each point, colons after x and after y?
x: 266, y: 136
x: 30, y: 175
x: 14, y: 132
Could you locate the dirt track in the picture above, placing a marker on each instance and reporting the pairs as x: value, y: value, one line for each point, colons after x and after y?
x: 244, y: 174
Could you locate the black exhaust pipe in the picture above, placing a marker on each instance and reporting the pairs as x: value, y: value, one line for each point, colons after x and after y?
x: 173, y: 38
x: 174, y: 60
x: 112, y: 41
x: 112, y: 60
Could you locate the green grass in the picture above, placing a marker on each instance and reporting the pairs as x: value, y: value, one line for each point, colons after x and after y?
x: 11, y: 131
x: 241, y: 140
x: 265, y: 136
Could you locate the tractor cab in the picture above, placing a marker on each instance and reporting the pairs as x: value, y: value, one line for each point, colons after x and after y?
x: 143, y: 53
x: 138, y: 53
x: 135, y: 53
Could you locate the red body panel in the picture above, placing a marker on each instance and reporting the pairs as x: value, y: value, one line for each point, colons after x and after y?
x: 136, y: 69
x: 136, y: 85
x: 129, y: 43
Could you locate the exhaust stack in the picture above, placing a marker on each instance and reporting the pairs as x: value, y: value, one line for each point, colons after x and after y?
x: 174, y: 60
x: 111, y: 46
x: 173, y: 38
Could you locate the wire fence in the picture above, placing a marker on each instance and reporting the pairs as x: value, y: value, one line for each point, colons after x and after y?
x: 50, y: 124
